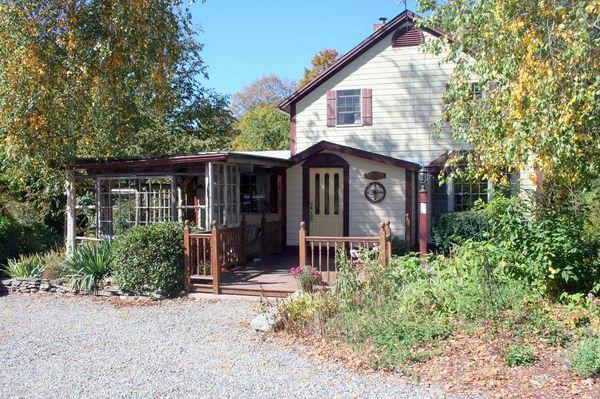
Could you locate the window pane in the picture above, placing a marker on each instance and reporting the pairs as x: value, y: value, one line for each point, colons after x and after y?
x: 317, y: 194
x: 336, y: 194
x: 348, y: 107
x: 326, y: 199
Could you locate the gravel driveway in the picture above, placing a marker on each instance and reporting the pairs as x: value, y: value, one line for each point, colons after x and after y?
x: 53, y: 347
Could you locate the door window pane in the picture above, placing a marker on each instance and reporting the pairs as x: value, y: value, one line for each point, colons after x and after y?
x: 336, y: 194
x: 326, y: 199
x: 317, y: 194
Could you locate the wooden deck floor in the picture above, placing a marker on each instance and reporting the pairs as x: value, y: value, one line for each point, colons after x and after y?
x: 269, y: 277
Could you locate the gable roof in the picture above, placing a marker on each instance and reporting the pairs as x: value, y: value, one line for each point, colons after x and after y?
x: 326, y: 145
x: 346, y: 59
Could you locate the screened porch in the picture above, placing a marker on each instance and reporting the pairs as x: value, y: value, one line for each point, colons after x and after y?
x: 222, y: 190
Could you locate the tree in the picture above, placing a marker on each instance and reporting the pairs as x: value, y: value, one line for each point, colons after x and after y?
x: 320, y: 62
x: 537, y: 65
x: 263, y: 129
x: 96, y: 79
x: 268, y: 90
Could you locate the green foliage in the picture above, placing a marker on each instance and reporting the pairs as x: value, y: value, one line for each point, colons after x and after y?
x: 586, y: 359
x: 263, y: 129
x: 25, y: 266
x: 54, y: 263
x: 149, y: 258
x: 398, y: 245
x: 88, y: 266
x: 544, y: 246
x: 23, y: 236
x: 97, y: 79
x: 540, y: 79
x: 453, y: 229
x: 9, y: 238
x: 517, y: 355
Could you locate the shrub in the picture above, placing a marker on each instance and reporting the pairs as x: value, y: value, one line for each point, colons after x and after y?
x: 398, y: 245
x: 544, y: 246
x: 517, y: 355
x: 88, y: 266
x: 25, y: 266
x: 453, y: 229
x: 54, y: 263
x: 586, y: 359
x: 307, y: 277
x: 150, y: 258
x: 9, y: 238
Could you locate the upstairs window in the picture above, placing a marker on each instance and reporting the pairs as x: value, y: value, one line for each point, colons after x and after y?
x: 348, y: 107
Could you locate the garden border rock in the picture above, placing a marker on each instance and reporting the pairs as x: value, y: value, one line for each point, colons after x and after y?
x: 33, y: 285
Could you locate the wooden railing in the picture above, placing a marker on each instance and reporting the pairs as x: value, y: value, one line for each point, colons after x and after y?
x: 271, y: 239
x: 321, y: 252
x: 205, y: 253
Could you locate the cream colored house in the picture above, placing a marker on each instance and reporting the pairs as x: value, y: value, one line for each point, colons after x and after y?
x: 372, y: 111
x: 362, y: 152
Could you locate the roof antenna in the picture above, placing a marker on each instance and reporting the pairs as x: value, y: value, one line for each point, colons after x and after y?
x: 405, y: 4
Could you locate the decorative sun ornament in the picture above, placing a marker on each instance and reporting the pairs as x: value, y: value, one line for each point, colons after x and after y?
x: 375, y: 192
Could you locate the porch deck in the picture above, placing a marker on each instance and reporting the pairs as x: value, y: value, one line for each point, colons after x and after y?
x: 269, y: 277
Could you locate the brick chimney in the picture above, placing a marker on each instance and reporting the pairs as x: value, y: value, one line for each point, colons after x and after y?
x: 380, y: 24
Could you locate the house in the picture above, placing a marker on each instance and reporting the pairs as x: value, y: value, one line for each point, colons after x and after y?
x: 362, y: 152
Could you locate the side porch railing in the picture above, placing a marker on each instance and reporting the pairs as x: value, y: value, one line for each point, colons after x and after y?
x: 321, y: 252
x: 206, y: 253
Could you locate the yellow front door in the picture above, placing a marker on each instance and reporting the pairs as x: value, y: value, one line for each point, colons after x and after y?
x: 326, y: 202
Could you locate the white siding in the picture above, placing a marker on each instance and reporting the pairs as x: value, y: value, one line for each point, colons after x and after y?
x: 407, y: 85
x: 364, y: 217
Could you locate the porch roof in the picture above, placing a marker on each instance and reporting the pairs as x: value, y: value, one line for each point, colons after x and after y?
x: 328, y: 146
x: 261, y: 158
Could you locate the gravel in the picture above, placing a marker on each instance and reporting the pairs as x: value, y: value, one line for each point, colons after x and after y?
x: 75, y: 347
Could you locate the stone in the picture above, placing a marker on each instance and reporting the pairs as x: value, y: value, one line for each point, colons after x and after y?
x: 159, y: 296
x: 265, y: 321
x: 44, y: 286
x: 7, y: 282
x: 53, y: 289
x: 104, y: 293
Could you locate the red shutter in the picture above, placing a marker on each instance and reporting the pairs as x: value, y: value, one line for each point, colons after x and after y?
x: 331, y: 108
x: 367, y: 107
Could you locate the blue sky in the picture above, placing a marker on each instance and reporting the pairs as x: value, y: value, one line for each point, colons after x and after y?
x: 247, y: 39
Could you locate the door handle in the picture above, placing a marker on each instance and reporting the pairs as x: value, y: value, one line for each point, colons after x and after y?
x: 311, y: 211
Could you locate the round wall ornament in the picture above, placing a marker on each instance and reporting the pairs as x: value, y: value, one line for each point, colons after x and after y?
x: 375, y: 192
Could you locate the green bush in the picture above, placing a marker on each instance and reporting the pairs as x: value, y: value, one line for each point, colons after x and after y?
x: 10, y: 233
x: 517, y: 355
x: 453, y: 229
x: 25, y: 266
x: 544, y: 246
x: 54, y: 263
x: 20, y: 238
x: 150, y: 258
x: 88, y: 266
x: 586, y: 359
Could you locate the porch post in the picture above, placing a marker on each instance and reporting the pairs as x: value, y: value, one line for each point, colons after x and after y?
x: 382, y: 245
x: 186, y: 256
x: 423, y: 214
x: 70, y: 211
x: 215, y: 266
x: 302, y: 245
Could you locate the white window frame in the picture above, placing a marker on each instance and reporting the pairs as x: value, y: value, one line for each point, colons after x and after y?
x: 229, y: 219
x: 360, y: 107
